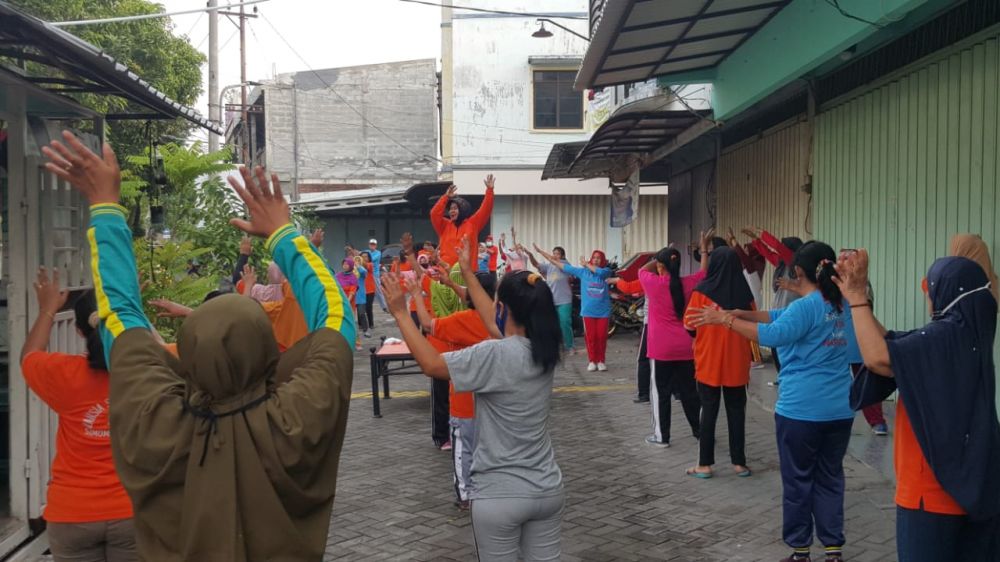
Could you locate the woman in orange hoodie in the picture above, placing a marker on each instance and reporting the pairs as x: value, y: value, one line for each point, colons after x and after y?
x: 453, y: 219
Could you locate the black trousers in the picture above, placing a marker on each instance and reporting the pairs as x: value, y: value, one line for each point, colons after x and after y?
x: 440, y: 426
x: 670, y: 376
x: 362, y: 318
x: 736, y: 412
x: 369, y: 310
x: 642, y: 367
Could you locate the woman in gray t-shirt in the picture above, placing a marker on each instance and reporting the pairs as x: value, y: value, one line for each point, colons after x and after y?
x: 517, y: 494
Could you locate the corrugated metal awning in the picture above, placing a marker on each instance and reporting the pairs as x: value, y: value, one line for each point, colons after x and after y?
x: 83, y: 68
x: 641, y: 39
x: 635, y: 133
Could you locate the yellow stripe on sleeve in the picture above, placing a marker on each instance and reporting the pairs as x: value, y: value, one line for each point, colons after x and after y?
x: 331, y: 291
x: 110, y: 318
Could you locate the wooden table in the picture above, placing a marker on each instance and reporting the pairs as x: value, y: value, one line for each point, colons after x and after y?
x: 381, y: 360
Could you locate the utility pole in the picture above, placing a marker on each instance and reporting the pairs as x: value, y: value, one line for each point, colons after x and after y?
x: 214, y: 111
x: 244, y: 113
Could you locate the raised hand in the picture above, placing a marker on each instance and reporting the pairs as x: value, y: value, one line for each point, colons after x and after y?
x: 170, y: 309
x: 249, y: 276
x: 413, y: 287
x: 452, y: 190
x: 749, y: 231
x: 51, y: 299
x: 265, y: 201
x: 395, y: 298
x: 98, y: 178
x: 852, y: 276
x: 317, y: 237
x: 732, y: 238
x: 490, y: 181
x: 246, y: 246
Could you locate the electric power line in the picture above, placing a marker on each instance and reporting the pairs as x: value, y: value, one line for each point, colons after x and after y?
x: 501, y: 12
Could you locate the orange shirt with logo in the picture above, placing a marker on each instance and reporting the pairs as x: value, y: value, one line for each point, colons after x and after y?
x: 915, y: 481
x: 458, y: 331
x: 721, y: 356
x: 84, y: 487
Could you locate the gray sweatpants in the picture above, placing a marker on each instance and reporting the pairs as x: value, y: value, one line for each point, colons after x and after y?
x: 463, y: 443
x: 101, y: 541
x: 503, y: 526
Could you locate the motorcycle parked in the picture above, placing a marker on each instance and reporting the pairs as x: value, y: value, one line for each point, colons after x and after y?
x: 626, y: 312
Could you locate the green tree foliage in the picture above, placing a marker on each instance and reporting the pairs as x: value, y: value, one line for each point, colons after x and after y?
x: 163, y: 272
x: 199, y: 204
x: 148, y: 47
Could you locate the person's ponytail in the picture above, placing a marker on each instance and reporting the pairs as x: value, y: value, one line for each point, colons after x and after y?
x: 817, y: 261
x: 85, y: 310
x: 528, y: 298
x: 670, y: 258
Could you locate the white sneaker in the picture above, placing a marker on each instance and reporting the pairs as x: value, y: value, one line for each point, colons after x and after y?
x: 591, y: 367
x: 602, y: 367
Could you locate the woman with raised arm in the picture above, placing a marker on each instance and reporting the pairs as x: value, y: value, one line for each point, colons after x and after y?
x: 453, y: 219
x: 517, y: 494
x: 669, y: 346
x: 813, y: 415
x: 89, y: 514
x: 595, y: 302
x: 228, y: 452
x: 947, y: 438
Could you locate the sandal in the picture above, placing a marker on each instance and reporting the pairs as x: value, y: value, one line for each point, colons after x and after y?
x: 745, y: 473
x: 695, y: 473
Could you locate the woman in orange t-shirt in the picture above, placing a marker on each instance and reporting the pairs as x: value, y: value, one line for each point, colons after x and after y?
x: 722, y: 360
x: 947, y: 444
x: 453, y: 219
x: 89, y: 514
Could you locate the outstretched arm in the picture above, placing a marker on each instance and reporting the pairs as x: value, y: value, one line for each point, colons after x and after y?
x: 430, y: 360
x: 482, y: 215
x: 852, y: 278
x: 480, y: 300
x: 323, y: 302
x: 552, y: 259
x: 50, y: 301
x: 438, y: 220
x: 116, y: 280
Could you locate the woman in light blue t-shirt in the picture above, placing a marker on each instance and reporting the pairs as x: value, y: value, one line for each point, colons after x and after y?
x: 813, y: 416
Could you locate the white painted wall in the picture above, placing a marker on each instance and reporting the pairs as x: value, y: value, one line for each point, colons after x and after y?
x: 492, y: 93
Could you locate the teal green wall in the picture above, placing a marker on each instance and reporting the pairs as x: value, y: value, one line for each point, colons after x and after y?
x: 903, y: 166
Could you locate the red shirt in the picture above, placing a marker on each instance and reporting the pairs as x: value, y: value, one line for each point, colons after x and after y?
x: 460, y: 330
x: 84, y: 487
x: 915, y: 481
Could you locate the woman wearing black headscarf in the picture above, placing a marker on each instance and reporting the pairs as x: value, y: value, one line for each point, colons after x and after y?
x: 721, y: 360
x: 947, y: 441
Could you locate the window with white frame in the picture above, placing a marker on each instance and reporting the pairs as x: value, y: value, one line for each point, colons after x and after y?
x: 556, y: 104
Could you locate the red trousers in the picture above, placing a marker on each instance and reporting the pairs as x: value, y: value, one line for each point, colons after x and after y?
x: 596, y: 334
x: 873, y: 414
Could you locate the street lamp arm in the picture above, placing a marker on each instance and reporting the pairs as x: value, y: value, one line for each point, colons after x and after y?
x: 564, y: 28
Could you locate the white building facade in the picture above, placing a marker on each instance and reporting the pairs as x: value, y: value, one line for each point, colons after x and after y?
x: 507, y: 98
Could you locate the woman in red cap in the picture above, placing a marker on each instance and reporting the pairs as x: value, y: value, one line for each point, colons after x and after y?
x: 595, y: 306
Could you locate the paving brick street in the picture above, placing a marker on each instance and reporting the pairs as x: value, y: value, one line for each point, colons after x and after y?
x: 626, y: 500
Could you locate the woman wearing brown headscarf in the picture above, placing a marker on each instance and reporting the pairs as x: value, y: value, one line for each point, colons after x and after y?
x: 221, y: 461
x: 973, y: 247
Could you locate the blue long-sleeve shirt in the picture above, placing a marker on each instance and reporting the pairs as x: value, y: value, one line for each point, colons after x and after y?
x: 116, y: 278
x: 595, y: 300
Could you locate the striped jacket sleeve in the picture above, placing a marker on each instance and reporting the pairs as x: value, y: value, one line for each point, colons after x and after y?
x: 116, y: 278
x: 323, y: 302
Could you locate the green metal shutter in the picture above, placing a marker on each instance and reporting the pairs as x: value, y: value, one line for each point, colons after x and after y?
x: 906, y: 164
